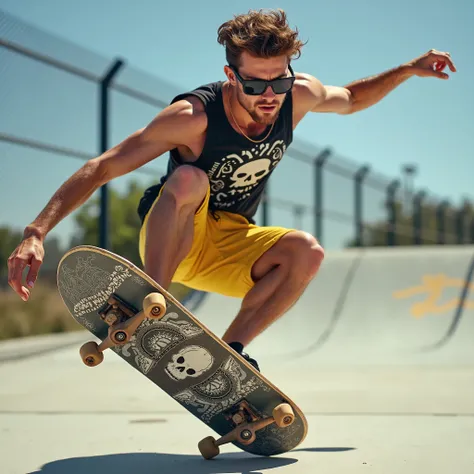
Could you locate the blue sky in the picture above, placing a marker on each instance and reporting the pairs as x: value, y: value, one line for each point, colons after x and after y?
x: 425, y: 121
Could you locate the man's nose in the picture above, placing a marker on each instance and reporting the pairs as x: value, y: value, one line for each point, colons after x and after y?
x: 269, y: 94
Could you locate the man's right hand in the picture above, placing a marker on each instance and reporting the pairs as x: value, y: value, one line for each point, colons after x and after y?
x: 30, y: 252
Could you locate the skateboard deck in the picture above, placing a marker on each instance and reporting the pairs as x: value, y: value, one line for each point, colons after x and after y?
x: 147, y: 327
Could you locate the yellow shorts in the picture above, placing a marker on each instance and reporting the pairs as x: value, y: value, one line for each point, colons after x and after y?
x: 223, y: 251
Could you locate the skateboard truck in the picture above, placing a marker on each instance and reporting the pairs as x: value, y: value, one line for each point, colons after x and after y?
x: 247, y: 424
x: 123, y: 321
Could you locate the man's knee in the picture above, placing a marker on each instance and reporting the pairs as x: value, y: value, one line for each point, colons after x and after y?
x: 187, y: 185
x: 306, y: 252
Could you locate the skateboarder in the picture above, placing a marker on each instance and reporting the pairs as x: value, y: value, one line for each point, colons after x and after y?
x: 224, y: 140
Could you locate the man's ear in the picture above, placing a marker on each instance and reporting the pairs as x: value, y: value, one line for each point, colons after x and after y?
x: 230, y: 75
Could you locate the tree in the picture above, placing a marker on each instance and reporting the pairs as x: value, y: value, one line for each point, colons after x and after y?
x: 435, y: 220
x: 124, y: 222
x: 9, y: 239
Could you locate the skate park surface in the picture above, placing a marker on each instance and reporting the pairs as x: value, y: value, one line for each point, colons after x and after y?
x: 378, y: 352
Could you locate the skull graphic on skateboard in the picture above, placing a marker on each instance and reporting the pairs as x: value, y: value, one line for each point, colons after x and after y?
x: 147, y: 327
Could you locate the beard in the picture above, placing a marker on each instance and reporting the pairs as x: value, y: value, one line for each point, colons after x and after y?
x: 258, y: 115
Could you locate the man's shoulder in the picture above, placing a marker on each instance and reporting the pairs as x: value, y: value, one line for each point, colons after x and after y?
x: 189, y: 103
x: 202, y: 96
x: 198, y: 104
x: 184, y: 118
x: 307, y: 92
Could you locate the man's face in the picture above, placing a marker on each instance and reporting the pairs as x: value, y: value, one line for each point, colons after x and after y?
x: 264, y: 108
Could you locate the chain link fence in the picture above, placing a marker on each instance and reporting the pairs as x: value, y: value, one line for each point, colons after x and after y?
x: 62, y: 104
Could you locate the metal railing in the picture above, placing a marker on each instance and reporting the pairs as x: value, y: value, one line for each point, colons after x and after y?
x: 348, y: 199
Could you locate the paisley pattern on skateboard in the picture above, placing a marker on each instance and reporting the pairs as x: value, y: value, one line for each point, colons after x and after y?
x: 152, y: 331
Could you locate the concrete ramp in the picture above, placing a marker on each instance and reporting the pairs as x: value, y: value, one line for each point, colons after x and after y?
x: 374, y: 307
x: 378, y: 353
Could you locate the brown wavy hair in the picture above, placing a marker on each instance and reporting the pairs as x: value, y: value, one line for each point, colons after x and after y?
x: 262, y: 33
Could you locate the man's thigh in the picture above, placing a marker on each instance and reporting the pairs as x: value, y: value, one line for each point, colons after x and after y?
x: 199, y: 231
x: 226, y: 257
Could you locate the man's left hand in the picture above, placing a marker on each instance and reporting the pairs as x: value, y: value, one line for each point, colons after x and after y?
x: 432, y: 64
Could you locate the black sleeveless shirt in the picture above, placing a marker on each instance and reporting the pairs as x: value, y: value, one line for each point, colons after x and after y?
x: 237, y: 168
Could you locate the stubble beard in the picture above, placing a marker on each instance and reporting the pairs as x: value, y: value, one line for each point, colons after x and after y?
x: 258, y: 116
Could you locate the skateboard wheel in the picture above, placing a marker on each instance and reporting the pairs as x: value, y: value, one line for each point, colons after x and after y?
x: 154, y: 305
x: 208, y: 448
x: 283, y: 415
x: 90, y: 354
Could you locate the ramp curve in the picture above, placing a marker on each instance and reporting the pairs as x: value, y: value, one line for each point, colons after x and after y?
x: 402, y: 305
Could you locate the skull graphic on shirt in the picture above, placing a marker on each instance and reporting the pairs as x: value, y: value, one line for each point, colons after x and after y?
x: 248, y: 175
x: 236, y: 175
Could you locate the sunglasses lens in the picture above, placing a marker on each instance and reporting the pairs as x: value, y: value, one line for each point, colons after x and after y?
x: 254, y: 87
x: 282, y: 85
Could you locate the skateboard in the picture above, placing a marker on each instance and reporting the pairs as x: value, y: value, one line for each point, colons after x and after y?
x: 152, y: 331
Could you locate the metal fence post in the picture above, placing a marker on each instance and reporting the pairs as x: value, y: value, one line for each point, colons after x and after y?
x: 298, y: 212
x: 318, y: 163
x: 392, y: 189
x: 441, y: 221
x: 471, y: 239
x: 461, y: 218
x: 418, y: 217
x: 359, y: 177
x: 103, y: 147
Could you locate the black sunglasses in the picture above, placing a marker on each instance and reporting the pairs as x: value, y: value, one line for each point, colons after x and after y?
x: 281, y: 85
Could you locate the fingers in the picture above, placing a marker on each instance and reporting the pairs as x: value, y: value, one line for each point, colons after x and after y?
x: 444, y: 58
x: 437, y: 63
x: 26, y: 254
x: 441, y: 75
x: 16, y: 265
x: 438, y: 70
x: 35, y: 265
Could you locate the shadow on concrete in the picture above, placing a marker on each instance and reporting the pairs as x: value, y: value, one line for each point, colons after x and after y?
x: 323, y: 450
x: 145, y: 463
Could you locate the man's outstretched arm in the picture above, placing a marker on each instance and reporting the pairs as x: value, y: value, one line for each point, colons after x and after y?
x: 364, y: 93
x: 176, y: 125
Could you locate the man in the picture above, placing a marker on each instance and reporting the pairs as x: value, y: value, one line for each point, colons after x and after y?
x: 224, y: 139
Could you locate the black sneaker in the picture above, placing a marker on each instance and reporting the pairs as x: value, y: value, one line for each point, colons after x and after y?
x: 239, y: 348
